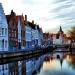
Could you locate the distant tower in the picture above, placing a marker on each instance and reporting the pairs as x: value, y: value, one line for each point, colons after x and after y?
x: 60, y: 30
x: 13, y: 13
x: 3, y: 31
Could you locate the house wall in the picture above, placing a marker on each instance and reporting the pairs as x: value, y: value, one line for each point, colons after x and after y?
x: 3, y: 31
x: 19, y: 33
x: 54, y: 39
x: 28, y: 36
x: 33, y: 37
x: 23, y: 35
x: 12, y: 31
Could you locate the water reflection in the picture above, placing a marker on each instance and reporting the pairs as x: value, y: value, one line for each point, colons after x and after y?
x: 49, y: 64
x: 59, y: 64
x: 71, y: 59
x: 25, y: 67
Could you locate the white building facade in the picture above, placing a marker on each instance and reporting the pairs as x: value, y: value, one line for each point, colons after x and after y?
x: 57, y: 41
x: 19, y: 32
x: 58, y: 38
x: 36, y: 35
x: 3, y: 39
x: 33, y: 37
x: 54, y: 39
x: 3, y: 31
x: 40, y: 36
x: 27, y: 37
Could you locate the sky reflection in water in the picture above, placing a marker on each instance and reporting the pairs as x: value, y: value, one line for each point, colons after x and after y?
x: 55, y: 67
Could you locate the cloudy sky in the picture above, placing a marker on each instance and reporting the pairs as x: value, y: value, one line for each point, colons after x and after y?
x: 49, y: 14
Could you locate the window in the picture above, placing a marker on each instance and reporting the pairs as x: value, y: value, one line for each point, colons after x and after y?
x: 5, y: 31
x: 6, y: 66
x: 15, y: 34
x: 2, y: 31
x: 0, y: 43
x: 5, y: 43
x: 12, y: 34
x: 0, y: 19
x: 0, y: 68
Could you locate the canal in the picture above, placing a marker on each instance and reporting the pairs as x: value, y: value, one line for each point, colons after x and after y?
x: 54, y: 63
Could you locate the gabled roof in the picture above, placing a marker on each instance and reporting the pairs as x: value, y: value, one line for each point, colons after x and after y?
x: 12, y: 15
x: 31, y: 25
x: 8, y: 17
x: 21, y: 17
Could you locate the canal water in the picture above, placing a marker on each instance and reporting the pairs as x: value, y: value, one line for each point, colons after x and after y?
x: 55, y: 63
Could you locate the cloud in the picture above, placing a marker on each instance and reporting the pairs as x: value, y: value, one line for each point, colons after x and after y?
x: 58, y: 1
x: 49, y: 14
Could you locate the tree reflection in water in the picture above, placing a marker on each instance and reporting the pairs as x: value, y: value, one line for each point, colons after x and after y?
x: 72, y: 60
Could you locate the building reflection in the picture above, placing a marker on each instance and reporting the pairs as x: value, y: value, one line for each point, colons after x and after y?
x: 52, y: 62
x: 55, y: 61
x: 24, y: 67
x: 4, y: 69
x: 13, y: 68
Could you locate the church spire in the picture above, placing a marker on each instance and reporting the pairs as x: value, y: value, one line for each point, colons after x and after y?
x: 60, y: 30
x: 13, y: 13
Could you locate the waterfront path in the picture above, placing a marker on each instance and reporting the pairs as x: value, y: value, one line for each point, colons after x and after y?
x: 7, y: 56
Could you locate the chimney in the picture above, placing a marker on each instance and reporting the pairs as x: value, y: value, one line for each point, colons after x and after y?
x: 32, y: 21
x: 26, y: 18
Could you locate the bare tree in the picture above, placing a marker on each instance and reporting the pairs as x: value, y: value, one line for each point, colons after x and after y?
x: 72, y: 33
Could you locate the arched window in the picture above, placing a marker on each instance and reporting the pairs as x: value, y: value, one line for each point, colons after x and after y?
x: 3, y: 43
